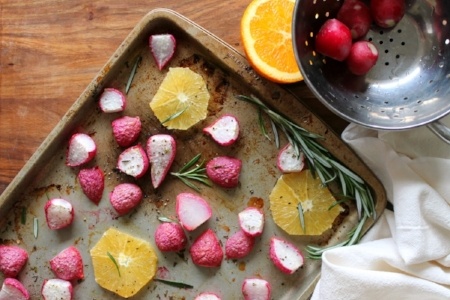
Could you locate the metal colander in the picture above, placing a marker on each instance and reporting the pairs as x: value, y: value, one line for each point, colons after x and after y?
x: 410, y: 84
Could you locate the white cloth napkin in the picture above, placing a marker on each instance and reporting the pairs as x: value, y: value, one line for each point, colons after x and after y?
x: 406, y: 254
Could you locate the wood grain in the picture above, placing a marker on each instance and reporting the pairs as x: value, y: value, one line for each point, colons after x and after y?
x: 51, y: 49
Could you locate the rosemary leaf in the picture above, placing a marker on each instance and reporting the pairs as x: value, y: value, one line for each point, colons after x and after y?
x: 114, y: 262
x: 192, y: 162
x: 261, y: 125
x: 35, y: 227
x: 301, y: 216
x: 196, y: 173
x: 175, y: 115
x: 165, y: 219
x: 275, y: 134
x: 175, y: 283
x: 132, y: 74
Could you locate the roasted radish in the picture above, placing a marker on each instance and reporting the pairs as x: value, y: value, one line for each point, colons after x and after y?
x: 163, y: 48
x: 133, y: 161
x: 224, y: 130
x: 124, y: 197
x: 285, y: 255
x: 251, y: 221
x: 59, y: 213
x: 82, y: 149
x: 192, y: 210
x: 112, y: 100
x: 161, y: 151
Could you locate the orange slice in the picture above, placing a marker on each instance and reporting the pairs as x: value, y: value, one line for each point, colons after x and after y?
x: 181, y: 100
x: 266, y: 36
x: 123, y: 264
x: 315, y: 200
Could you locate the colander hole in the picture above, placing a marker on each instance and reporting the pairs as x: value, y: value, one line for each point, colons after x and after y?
x: 381, y: 32
x: 419, y: 101
x: 444, y: 22
x: 382, y: 111
x: 381, y: 42
x: 386, y: 51
x: 327, y: 14
x: 311, y: 34
x: 399, y: 31
x: 403, y: 43
x: 391, y: 40
x: 397, y: 56
x: 324, y: 61
x: 416, y: 111
x: 405, y: 98
x: 437, y: 91
x: 370, y: 39
x: 447, y: 41
x: 311, y: 62
x: 306, y: 43
x: 362, y: 106
x: 314, y: 2
x: 431, y: 81
x: 386, y: 102
x: 401, y: 108
x: 386, y: 63
x: 316, y: 16
x: 356, y: 96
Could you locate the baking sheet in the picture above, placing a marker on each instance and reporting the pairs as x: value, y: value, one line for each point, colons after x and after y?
x: 227, y: 74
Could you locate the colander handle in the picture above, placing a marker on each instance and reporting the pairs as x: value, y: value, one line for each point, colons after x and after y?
x: 440, y: 130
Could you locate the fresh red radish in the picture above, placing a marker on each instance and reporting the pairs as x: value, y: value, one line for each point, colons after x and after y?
x: 163, y: 48
x: 192, y: 210
x: 285, y: 256
x: 161, y: 151
x: 238, y: 245
x: 133, y: 161
x: 124, y: 197
x: 56, y: 288
x: 256, y: 289
x: 206, y: 250
x: 92, y: 182
x: 68, y: 264
x: 334, y: 40
x: 170, y: 236
x: 363, y: 56
x: 126, y: 130
x: 387, y: 13
x: 82, y: 149
x: 207, y: 296
x: 288, y: 161
x: 224, y: 131
x: 13, y: 289
x: 59, y: 213
x: 112, y: 100
x: 224, y: 171
x: 356, y: 15
x: 12, y: 260
x: 251, y: 221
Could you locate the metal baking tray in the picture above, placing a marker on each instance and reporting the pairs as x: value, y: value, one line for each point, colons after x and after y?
x: 227, y: 74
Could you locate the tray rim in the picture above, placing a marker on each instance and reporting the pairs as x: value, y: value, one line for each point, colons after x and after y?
x: 43, y: 153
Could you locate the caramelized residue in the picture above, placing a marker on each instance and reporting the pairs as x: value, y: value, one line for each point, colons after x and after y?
x: 256, y: 202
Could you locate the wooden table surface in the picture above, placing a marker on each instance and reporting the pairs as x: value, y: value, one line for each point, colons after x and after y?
x: 51, y: 49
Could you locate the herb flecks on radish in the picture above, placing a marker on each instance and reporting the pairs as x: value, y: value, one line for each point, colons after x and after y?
x: 289, y: 161
x: 163, y: 48
x: 59, y: 213
x: 133, y: 161
x: 256, y: 288
x: 56, y: 288
x: 251, y: 221
x: 285, y: 256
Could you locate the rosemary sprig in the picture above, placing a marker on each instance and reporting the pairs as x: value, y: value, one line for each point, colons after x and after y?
x: 175, y: 283
x: 322, y: 163
x: 302, y: 217
x: 133, y: 72
x: 114, y: 262
x: 197, y: 173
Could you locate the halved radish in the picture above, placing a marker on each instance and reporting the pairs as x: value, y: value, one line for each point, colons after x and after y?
x: 82, y: 149
x: 133, y: 161
x: 163, y: 48
x: 224, y: 130
x: 285, y: 255
x: 13, y: 289
x: 59, y: 213
x: 256, y: 289
x: 192, y: 210
x: 56, y: 288
x: 251, y: 221
x: 161, y: 151
x: 112, y: 100
x: 288, y: 161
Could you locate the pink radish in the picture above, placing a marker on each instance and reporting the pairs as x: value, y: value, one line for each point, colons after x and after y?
x: 206, y: 250
x: 13, y: 289
x: 192, y: 210
x: 59, y: 213
x: 112, y: 100
x: 161, y: 151
x: 224, y: 130
x: 92, y: 182
x: 12, y: 260
x: 285, y: 255
x: 126, y: 130
x: 288, y: 161
x: 124, y: 197
x: 251, y: 221
x: 334, y: 40
x: 133, y: 161
x: 363, y: 56
x: 256, y: 289
x: 207, y: 296
x: 356, y: 15
x: 239, y: 245
x: 82, y: 149
x: 170, y: 236
x: 57, y: 289
x: 224, y: 171
x: 162, y: 47
x: 387, y: 13
x: 68, y: 264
